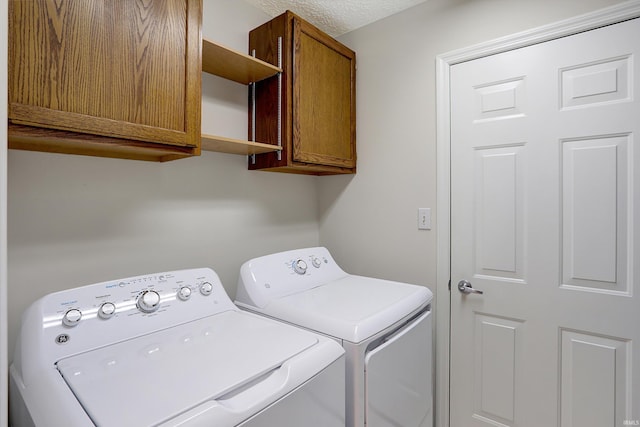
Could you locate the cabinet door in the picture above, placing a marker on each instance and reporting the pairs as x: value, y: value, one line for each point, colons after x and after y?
x: 323, y: 99
x: 126, y: 69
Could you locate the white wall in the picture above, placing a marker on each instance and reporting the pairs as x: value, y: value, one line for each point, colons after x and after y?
x: 370, y: 220
x: 77, y: 220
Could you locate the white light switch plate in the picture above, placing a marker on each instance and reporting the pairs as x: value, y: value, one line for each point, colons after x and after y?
x: 424, y: 218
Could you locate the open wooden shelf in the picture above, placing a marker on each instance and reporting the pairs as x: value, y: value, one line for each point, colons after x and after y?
x: 233, y: 65
x: 235, y: 146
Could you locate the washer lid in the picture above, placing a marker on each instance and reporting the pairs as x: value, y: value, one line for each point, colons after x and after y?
x: 352, y: 308
x: 153, y: 378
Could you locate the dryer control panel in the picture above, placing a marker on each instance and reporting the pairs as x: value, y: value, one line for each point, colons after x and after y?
x: 80, y: 319
x: 285, y: 273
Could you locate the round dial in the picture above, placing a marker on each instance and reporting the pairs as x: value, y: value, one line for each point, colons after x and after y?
x: 72, y: 317
x: 107, y: 310
x: 299, y: 266
x: 316, y: 262
x: 206, y: 288
x: 184, y: 293
x: 149, y: 301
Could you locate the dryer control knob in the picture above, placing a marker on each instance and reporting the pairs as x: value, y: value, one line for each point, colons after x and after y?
x: 107, y: 310
x: 206, y: 288
x: 184, y: 293
x: 316, y: 262
x: 72, y: 317
x: 299, y: 266
x: 148, y: 301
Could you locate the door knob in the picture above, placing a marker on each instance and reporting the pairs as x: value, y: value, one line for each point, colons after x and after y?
x: 466, y: 288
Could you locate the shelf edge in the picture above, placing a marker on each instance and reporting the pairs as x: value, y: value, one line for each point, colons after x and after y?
x: 233, y: 65
x: 223, y: 144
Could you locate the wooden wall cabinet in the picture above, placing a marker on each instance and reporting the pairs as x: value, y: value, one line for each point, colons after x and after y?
x: 115, y: 78
x: 316, y: 110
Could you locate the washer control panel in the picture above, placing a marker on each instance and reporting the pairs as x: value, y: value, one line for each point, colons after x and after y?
x: 95, y: 315
x: 142, y: 294
x: 148, y: 301
x: 71, y: 317
x: 184, y: 293
x: 106, y: 310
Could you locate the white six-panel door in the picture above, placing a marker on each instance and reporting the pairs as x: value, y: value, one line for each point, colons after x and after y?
x: 545, y: 220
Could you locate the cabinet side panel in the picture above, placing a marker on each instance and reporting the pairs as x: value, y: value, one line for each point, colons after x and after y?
x: 193, y: 75
x: 264, y: 40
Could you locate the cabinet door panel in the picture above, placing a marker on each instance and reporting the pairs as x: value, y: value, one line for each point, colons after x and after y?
x: 121, y: 68
x: 323, y: 111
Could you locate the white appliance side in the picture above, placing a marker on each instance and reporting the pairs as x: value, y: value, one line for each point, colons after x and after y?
x: 356, y: 354
x: 398, y: 378
x: 39, y: 406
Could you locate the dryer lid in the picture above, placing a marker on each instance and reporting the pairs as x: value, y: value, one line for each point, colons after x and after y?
x: 153, y: 378
x: 353, y: 308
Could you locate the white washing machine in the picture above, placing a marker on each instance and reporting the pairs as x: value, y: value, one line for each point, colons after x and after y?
x: 169, y: 349
x: 384, y: 326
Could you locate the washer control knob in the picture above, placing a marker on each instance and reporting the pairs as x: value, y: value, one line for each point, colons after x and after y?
x: 316, y: 262
x: 149, y: 301
x: 184, y: 293
x: 72, y: 317
x: 107, y: 310
x: 206, y: 288
x: 299, y: 266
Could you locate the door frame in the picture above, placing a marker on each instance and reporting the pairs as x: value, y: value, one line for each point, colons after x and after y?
x: 4, y: 357
x: 444, y: 62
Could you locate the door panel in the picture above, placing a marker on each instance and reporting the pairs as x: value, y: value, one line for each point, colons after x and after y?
x: 594, y: 372
x: 544, y: 196
x: 498, y: 225
x: 496, y: 378
x: 596, y: 182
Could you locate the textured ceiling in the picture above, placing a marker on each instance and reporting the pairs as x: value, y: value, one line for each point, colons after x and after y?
x: 336, y: 17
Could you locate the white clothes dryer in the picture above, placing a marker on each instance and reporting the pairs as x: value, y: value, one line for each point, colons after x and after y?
x: 169, y: 349
x: 384, y: 326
